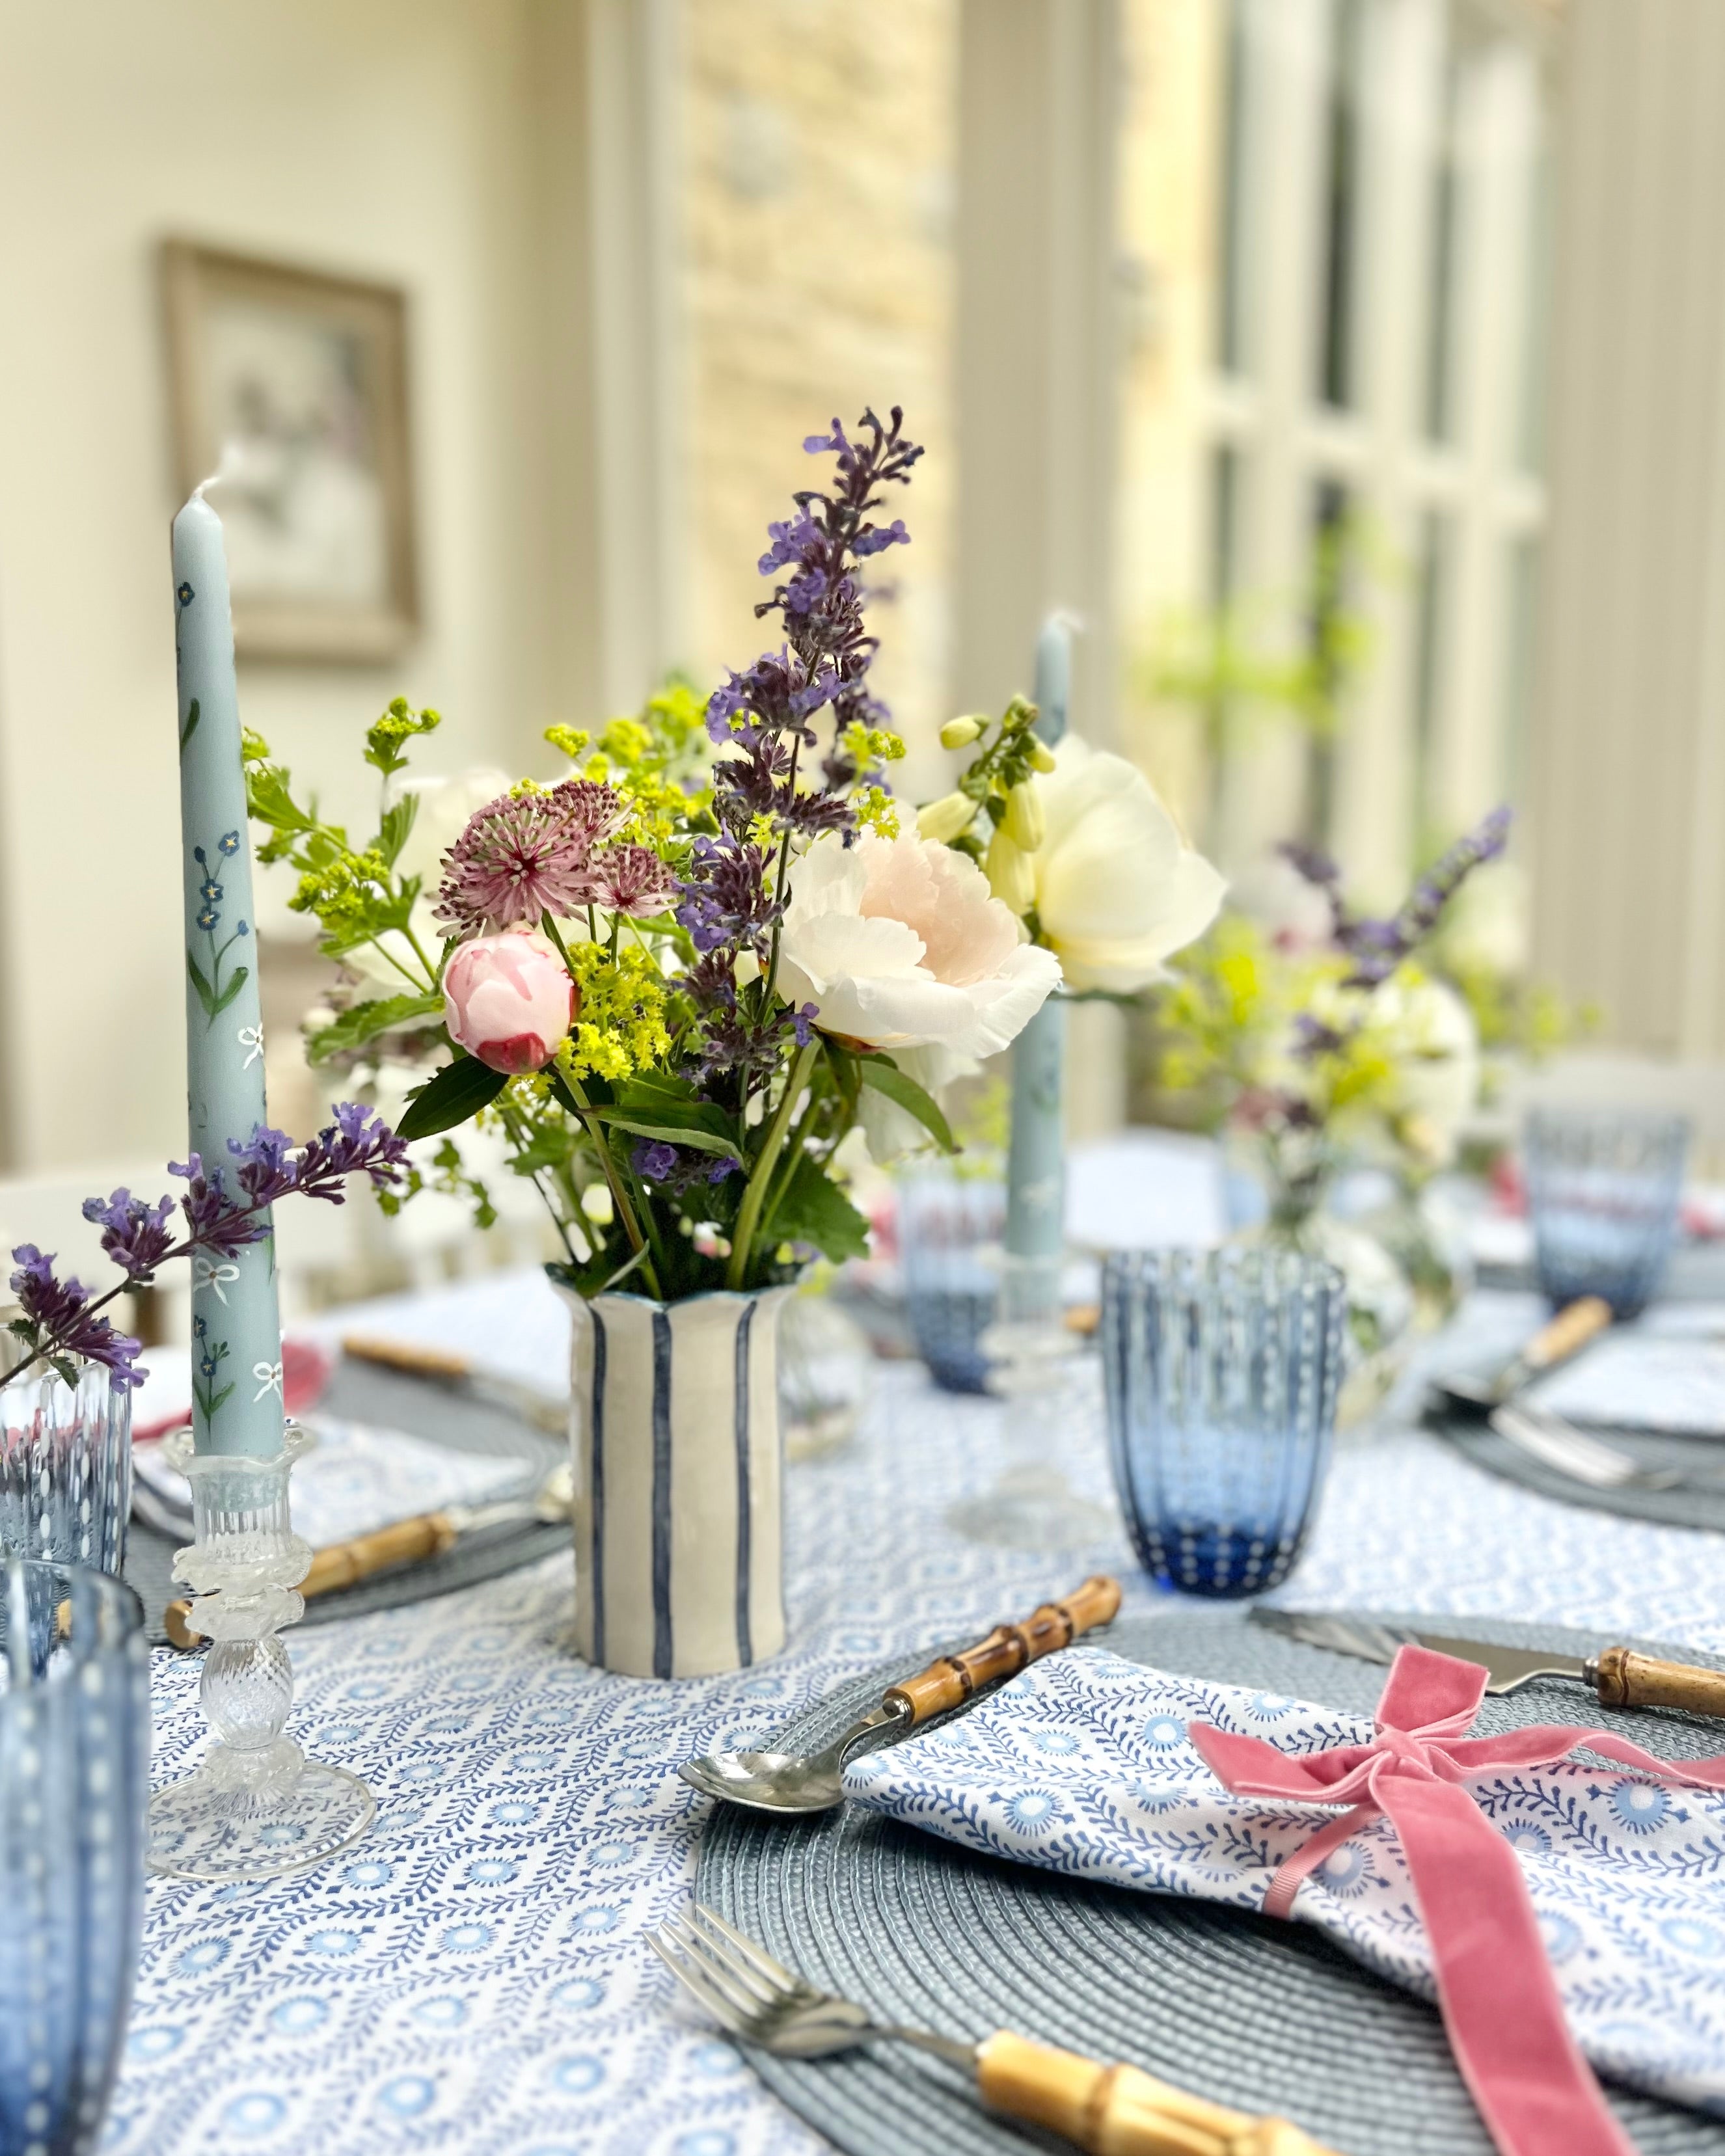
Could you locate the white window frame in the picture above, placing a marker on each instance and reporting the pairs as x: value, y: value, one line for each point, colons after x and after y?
x: 1287, y: 441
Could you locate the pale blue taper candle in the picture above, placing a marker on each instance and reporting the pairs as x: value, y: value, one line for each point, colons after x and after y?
x: 1036, y: 1156
x: 236, y: 1329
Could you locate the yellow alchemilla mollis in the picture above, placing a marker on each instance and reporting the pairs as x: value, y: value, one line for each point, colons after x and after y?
x: 876, y: 810
x: 619, y: 1027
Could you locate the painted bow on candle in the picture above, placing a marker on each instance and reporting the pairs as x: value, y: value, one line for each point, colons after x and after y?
x: 1499, y: 2002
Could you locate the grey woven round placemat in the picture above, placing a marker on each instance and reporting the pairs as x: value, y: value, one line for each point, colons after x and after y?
x: 1247, y: 2011
x: 361, y: 1392
x: 1688, y: 1508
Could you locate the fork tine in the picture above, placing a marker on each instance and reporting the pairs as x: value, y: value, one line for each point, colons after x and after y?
x: 757, y: 1956
x: 748, y: 1996
x: 695, y: 1980
x: 762, y: 1994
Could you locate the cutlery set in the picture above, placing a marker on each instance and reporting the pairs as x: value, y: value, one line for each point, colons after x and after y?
x: 1110, y: 2110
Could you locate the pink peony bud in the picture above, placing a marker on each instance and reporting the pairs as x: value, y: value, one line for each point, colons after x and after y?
x: 508, y: 1000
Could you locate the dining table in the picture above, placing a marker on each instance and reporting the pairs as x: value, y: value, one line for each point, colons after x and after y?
x: 474, y: 1975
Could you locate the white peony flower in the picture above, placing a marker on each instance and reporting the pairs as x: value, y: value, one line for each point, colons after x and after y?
x: 1118, y: 889
x: 897, y: 943
x: 445, y: 805
x: 1429, y: 1033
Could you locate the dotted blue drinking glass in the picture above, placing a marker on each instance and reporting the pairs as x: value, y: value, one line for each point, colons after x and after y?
x: 1604, y: 1187
x: 74, y: 1783
x: 950, y: 1227
x: 1221, y: 1369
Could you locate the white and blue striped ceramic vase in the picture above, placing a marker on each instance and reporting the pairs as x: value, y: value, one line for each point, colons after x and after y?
x: 674, y: 1426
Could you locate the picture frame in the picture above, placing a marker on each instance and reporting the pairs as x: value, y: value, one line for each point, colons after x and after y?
x: 301, y: 377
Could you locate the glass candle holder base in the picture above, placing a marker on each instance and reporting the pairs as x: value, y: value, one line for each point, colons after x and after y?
x: 1032, y: 1508
x: 255, y: 1808
x: 244, y: 1816
x: 1030, y: 1354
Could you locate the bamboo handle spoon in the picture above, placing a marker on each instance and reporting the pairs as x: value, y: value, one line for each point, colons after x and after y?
x: 792, y: 1782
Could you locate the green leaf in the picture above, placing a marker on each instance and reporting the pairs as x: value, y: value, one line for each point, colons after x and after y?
x: 394, y: 825
x: 365, y: 1021
x: 815, y: 1209
x: 268, y: 799
x: 459, y: 1090
x: 193, y: 715
x: 683, y: 1134
x: 241, y: 975
x: 906, y: 1093
x: 206, y: 993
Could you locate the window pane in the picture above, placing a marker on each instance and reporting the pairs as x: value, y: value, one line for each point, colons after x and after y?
x: 1440, y: 327
x: 1431, y: 603
x: 1328, y: 624
x: 1336, y: 360
x: 1231, y: 238
x: 1519, y: 649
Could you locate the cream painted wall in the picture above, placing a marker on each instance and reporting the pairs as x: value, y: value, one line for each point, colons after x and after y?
x: 385, y: 138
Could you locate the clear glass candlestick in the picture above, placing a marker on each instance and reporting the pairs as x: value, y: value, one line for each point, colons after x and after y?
x: 1031, y: 1353
x: 256, y: 1807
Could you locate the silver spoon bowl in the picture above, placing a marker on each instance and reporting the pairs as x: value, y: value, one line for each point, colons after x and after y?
x: 788, y: 1782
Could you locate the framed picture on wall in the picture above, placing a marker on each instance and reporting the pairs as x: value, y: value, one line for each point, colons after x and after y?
x: 300, y: 381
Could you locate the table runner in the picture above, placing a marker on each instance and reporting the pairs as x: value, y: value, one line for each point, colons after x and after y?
x: 474, y: 1979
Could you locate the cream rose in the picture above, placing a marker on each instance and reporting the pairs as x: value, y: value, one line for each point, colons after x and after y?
x: 1118, y: 889
x: 898, y: 942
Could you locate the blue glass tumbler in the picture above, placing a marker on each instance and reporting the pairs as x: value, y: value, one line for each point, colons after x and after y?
x: 950, y: 1227
x: 1604, y: 1187
x: 74, y: 1784
x: 1222, y: 1369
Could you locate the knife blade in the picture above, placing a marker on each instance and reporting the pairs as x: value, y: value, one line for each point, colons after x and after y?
x: 1617, y: 1676
x: 456, y: 1372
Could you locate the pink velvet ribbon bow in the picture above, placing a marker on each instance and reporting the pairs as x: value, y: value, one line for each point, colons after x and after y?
x: 1499, y: 1999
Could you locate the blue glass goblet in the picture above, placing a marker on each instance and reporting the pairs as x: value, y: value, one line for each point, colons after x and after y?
x: 1221, y: 1369
x: 1604, y: 1187
x: 75, y: 1781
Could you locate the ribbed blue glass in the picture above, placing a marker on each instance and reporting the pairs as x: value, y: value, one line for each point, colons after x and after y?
x: 1604, y: 1187
x: 950, y: 1230
x: 1221, y: 1370
x: 74, y: 1783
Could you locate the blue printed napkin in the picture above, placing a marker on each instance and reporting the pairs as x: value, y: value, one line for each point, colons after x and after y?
x: 1083, y: 1765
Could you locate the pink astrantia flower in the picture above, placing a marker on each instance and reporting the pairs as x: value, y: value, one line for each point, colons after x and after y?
x: 633, y: 880
x: 524, y: 855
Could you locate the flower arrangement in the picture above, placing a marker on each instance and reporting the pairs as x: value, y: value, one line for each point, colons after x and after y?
x: 60, y: 1325
x: 671, y: 978
x: 676, y: 979
x: 1321, y: 1034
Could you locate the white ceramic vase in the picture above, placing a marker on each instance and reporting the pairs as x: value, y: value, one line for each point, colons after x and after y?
x: 674, y: 1427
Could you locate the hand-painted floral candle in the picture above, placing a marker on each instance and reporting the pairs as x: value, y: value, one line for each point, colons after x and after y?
x: 236, y: 1330
x: 1036, y: 1158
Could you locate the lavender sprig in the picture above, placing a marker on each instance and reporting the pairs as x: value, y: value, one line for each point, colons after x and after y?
x: 59, y: 1324
x: 1378, y: 947
x: 734, y: 894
